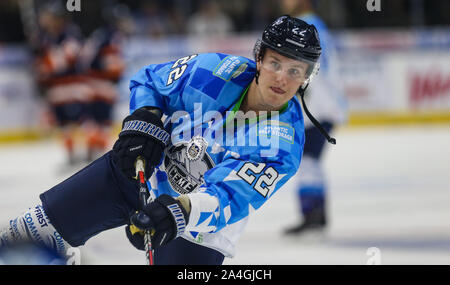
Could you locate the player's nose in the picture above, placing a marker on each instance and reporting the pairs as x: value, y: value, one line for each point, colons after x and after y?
x: 281, y: 78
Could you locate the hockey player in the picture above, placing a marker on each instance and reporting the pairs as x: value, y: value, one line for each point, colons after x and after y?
x: 326, y: 101
x: 102, y: 63
x: 57, y: 73
x: 209, y: 169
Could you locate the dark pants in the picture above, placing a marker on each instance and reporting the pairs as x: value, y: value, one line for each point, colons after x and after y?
x: 70, y: 113
x: 100, y: 111
x: 99, y: 197
x: 181, y: 251
x: 315, y: 141
x: 312, y: 198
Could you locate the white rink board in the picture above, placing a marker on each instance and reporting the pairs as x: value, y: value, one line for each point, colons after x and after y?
x: 393, y: 71
x: 389, y: 188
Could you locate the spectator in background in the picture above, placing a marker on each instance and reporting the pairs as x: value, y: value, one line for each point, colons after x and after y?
x: 324, y: 99
x: 265, y: 11
x: 151, y: 20
x: 176, y: 20
x: 241, y: 14
x: 209, y: 20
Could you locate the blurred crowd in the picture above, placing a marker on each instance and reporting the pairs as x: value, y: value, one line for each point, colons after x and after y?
x: 174, y: 17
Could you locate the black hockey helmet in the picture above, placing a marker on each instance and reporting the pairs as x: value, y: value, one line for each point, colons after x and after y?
x: 292, y: 38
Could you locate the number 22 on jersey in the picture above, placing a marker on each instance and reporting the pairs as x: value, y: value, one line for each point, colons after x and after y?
x: 249, y: 171
x: 178, y: 68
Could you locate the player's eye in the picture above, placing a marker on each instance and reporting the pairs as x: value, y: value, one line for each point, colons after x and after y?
x: 295, y: 73
x: 275, y: 65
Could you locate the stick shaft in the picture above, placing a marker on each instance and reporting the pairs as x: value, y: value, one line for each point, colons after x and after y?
x: 143, y: 196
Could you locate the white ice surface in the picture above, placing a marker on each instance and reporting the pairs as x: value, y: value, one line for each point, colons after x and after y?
x: 389, y: 187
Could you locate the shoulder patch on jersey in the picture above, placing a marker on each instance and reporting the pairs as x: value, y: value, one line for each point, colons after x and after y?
x: 279, y: 129
x: 230, y: 67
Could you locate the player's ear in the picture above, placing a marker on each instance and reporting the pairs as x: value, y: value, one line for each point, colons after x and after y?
x: 258, y: 68
x: 258, y: 65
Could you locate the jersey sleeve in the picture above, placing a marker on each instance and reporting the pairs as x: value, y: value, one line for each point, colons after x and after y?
x: 161, y: 85
x: 236, y: 187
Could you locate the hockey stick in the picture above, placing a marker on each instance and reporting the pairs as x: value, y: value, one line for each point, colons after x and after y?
x: 143, y: 196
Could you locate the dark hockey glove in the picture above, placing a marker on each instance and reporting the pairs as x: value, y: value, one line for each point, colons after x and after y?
x: 166, y: 218
x: 142, y: 134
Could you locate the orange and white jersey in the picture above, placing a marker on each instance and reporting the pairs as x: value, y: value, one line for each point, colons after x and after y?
x: 56, y: 62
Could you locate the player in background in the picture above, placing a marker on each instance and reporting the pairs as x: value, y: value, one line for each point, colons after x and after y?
x: 233, y: 136
x: 102, y: 63
x: 326, y: 101
x: 57, y: 74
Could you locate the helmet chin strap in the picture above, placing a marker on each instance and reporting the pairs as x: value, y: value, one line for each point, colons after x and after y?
x: 313, y: 120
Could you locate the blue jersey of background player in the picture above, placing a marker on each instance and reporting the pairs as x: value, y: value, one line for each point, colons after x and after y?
x: 206, y: 184
x: 326, y: 100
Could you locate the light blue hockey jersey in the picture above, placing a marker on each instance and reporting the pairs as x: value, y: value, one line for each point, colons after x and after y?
x: 325, y: 39
x: 227, y: 162
x: 325, y: 95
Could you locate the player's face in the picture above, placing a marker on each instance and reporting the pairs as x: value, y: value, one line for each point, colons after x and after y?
x: 279, y: 79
